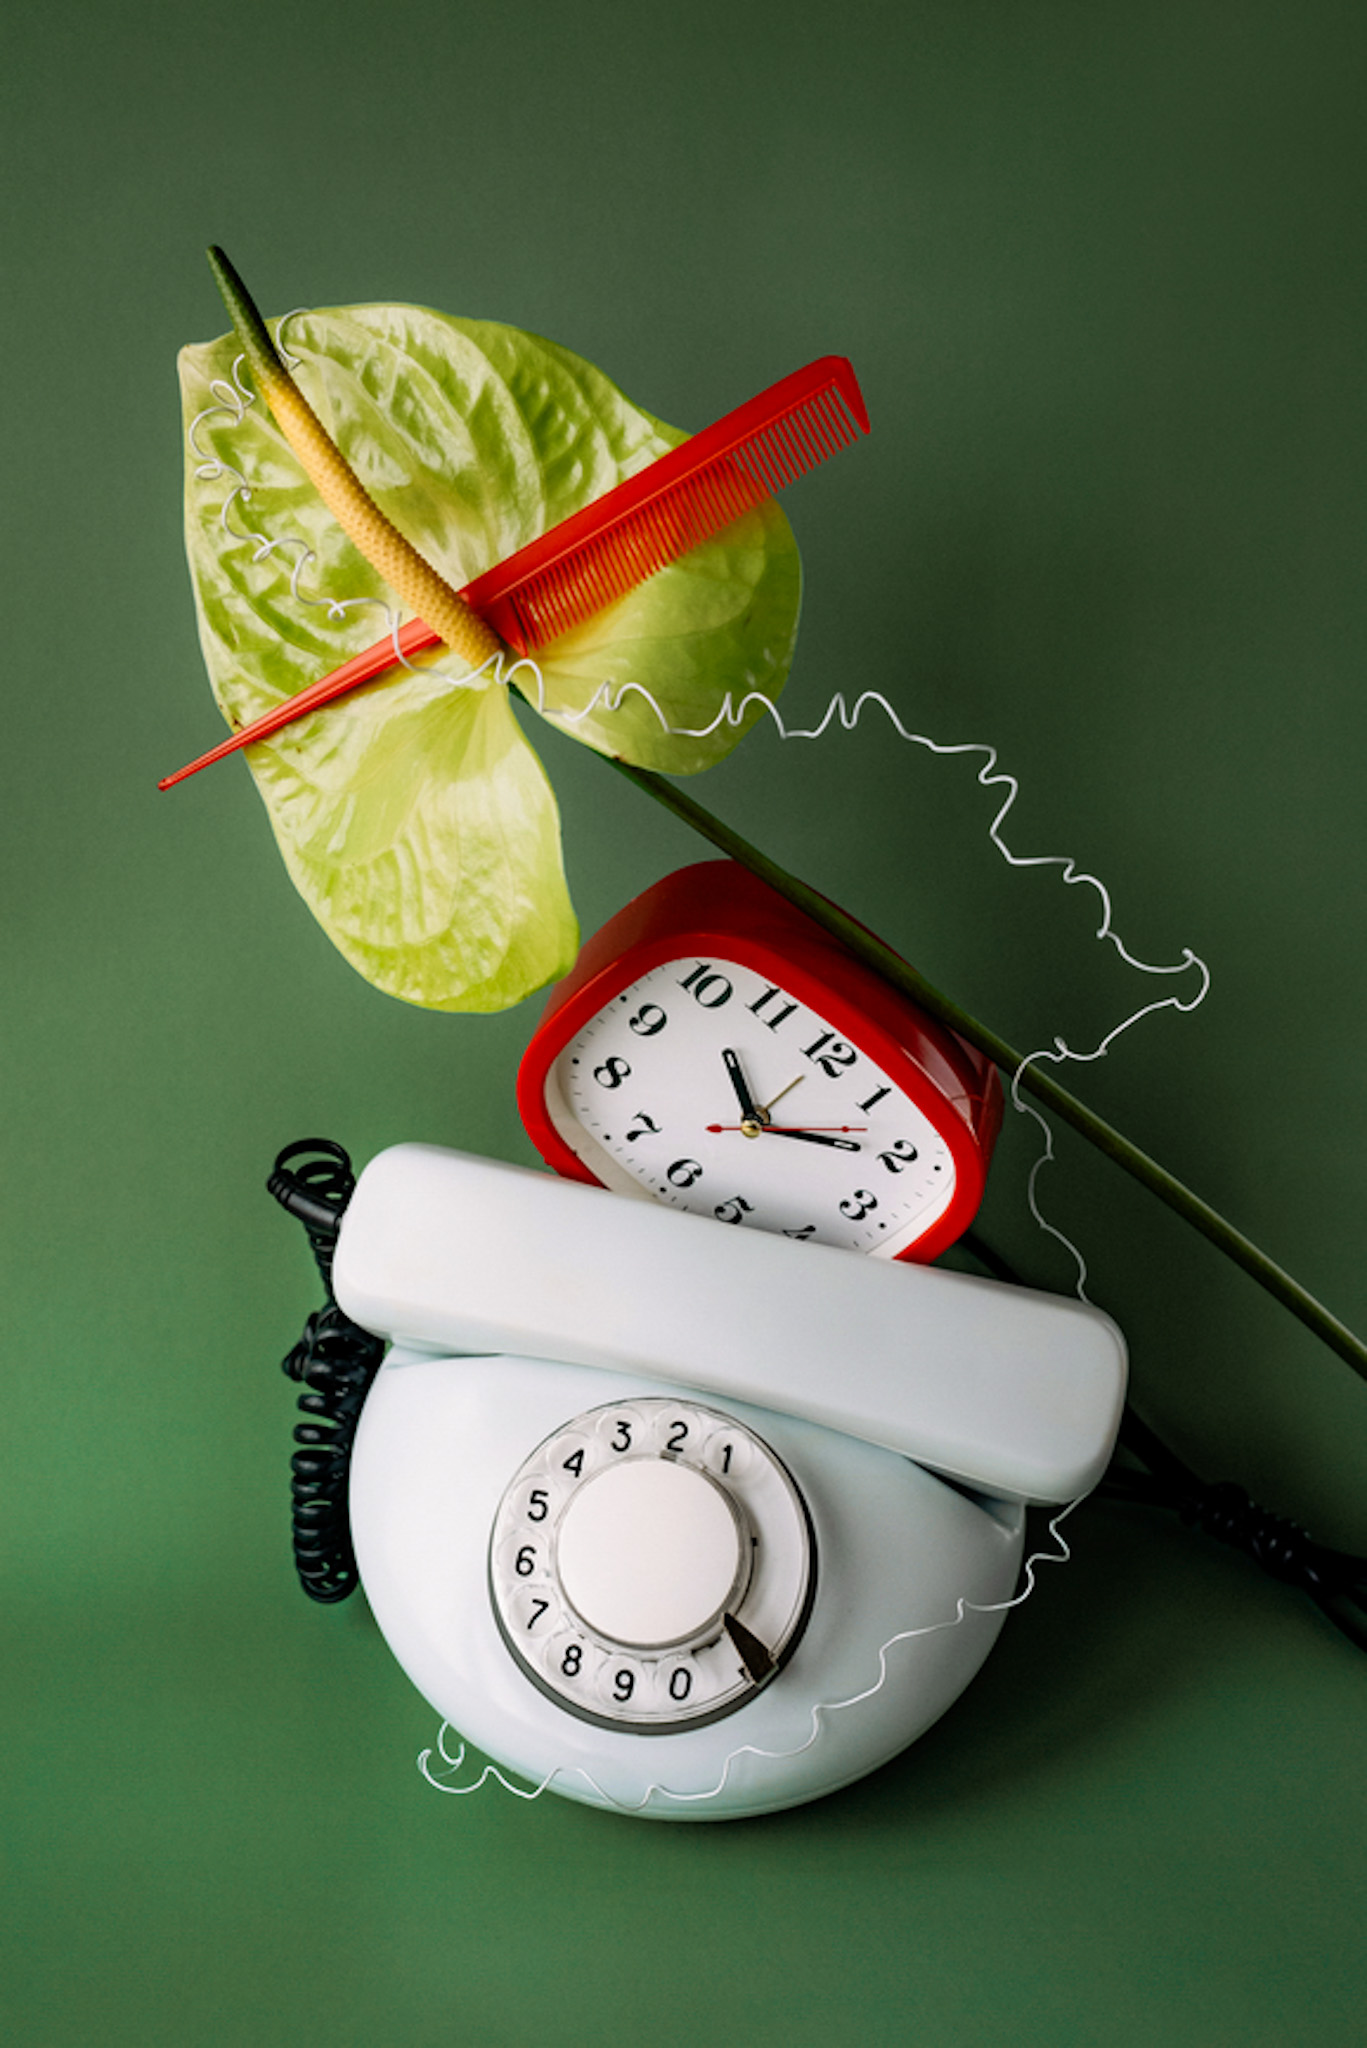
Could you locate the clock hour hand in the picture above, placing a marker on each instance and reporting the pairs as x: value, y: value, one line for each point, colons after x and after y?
x: 752, y: 1116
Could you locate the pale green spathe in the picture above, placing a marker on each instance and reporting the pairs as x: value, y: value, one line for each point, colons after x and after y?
x: 413, y: 816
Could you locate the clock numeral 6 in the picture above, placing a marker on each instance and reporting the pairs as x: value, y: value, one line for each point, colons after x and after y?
x: 858, y: 1205
x: 732, y: 1211
x: 683, y: 1173
x: 612, y: 1073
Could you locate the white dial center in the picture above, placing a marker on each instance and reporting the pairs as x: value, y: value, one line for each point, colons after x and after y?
x: 648, y: 1552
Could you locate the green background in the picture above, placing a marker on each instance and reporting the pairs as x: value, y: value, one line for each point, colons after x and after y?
x: 1101, y: 270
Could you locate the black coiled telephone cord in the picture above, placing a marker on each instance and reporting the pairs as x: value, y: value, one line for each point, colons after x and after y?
x: 336, y: 1360
x: 1334, y: 1579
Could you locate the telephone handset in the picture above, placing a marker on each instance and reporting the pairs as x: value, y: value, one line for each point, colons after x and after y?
x: 688, y: 1520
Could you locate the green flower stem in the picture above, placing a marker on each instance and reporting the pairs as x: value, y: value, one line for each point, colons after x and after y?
x: 1104, y: 1136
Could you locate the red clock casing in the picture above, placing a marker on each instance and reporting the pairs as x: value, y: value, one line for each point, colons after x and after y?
x: 720, y: 909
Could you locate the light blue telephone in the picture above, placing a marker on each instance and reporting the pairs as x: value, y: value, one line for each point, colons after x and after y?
x: 682, y: 1520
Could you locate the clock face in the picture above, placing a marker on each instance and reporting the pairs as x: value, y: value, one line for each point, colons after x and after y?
x: 709, y: 1086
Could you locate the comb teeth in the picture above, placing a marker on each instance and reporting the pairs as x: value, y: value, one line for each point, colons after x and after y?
x: 604, y: 570
x: 799, y: 441
x: 593, y: 558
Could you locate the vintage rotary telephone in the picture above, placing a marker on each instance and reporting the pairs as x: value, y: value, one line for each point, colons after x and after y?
x: 680, y: 1518
x: 639, y: 1500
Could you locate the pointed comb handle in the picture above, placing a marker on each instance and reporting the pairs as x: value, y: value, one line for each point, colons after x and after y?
x: 374, y: 661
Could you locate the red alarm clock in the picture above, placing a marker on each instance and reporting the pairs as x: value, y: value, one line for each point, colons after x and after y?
x: 716, y: 1050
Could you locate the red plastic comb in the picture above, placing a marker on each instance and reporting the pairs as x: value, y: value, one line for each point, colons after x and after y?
x: 598, y: 554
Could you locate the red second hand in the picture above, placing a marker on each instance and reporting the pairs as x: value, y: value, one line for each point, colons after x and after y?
x: 791, y: 1127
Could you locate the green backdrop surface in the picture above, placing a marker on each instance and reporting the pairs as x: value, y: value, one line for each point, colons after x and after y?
x: 1102, y: 273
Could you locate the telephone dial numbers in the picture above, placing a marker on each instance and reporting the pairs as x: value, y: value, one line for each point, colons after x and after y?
x: 652, y: 1565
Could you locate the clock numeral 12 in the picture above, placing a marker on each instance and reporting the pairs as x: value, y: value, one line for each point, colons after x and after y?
x: 833, y: 1062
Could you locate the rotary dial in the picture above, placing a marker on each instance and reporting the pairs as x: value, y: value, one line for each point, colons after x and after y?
x: 651, y: 1565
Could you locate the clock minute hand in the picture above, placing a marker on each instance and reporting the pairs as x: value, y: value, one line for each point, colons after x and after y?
x: 810, y: 1137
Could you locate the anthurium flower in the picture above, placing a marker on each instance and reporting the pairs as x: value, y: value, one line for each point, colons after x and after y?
x: 413, y: 815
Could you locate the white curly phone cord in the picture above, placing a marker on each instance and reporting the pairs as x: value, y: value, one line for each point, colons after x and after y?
x: 233, y: 399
